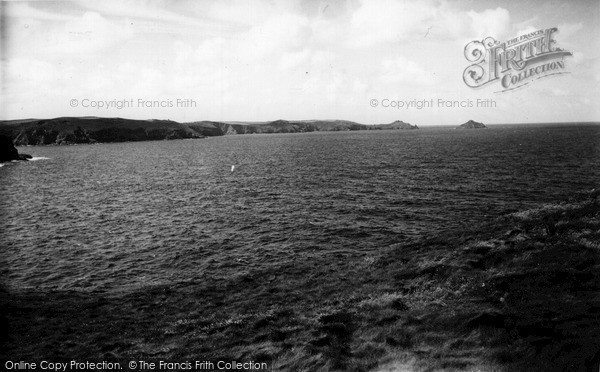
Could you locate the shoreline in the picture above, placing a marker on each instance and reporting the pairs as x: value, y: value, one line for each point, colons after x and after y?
x: 425, y: 128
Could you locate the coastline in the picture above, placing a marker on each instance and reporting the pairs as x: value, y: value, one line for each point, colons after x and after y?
x: 76, y: 130
x: 63, y: 135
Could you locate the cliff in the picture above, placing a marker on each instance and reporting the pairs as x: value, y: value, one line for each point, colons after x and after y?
x: 69, y: 130
x: 280, y: 126
x: 8, y: 152
x: 73, y: 130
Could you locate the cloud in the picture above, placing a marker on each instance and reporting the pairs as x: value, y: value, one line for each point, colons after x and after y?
x: 400, y: 22
x: 577, y: 59
x: 389, y: 21
x: 31, y: 73
x: 213, y: 50
x: 403, y: 70
x: 88, y: 34
x: 275, y: 35
x: 292, y: 60
x: 491, y: 22
x: 150, y: 12
x: 283, y: 35
x: 56, y: 37
x: 567, y: 33
x: 526, y: 30
x: 560, y: 92
x: 359, y: 86
x: 24, y: 11
x: 244, y: 12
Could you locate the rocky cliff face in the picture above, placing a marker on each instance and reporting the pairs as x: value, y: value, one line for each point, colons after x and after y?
x: 8, y: 152
x: 61, y: 131
x: 294, y: 126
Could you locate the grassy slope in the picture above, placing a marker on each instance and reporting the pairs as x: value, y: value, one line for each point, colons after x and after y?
x: 519, y: 293
x: 90, y: 124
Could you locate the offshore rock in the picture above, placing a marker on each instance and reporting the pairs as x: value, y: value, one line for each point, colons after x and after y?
x: 8, y: 151
x: 471, y: 124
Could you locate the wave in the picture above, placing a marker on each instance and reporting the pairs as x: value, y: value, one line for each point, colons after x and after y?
x: 34, y: 158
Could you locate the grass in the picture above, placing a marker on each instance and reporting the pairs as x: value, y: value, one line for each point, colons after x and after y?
x: 517, y: 293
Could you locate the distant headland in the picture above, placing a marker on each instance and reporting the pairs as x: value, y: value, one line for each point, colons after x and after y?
x: 471, y: 124
x: 77, y: 130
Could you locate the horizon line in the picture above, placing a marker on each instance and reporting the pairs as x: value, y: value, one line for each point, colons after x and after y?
x: 256, y: 122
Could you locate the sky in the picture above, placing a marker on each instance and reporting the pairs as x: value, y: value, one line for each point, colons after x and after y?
x: 260, y: 60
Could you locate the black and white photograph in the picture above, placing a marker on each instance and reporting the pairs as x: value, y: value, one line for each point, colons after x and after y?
x: 300, y: 185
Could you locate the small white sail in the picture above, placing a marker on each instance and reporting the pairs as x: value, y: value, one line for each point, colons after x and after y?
x: 232, y: 168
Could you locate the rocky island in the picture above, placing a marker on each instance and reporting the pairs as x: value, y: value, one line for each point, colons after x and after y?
x: 398, y: 124
x: 76, y: 130
x: 471, y: 124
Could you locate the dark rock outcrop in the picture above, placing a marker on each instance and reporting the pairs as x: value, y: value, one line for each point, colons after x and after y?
x: 471, y: 124
x: 8, y: 151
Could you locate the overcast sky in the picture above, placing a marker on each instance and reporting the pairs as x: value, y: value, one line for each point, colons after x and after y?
x: 266, y: 60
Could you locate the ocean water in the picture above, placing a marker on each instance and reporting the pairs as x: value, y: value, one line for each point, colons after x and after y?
x: 118, y: 217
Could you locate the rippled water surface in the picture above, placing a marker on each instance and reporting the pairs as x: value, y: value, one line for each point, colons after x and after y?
x: 115, y: 217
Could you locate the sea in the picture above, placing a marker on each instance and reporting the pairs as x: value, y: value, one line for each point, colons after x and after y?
x: 118, y: 217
